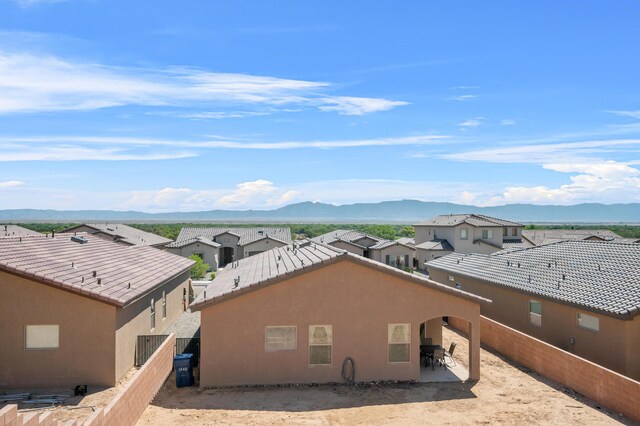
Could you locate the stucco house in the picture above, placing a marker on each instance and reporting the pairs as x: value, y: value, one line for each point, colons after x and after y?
x: 546, y: 236
x: 398, y: 253
x: 581, y: 296
x: 465, y: 233
x: 219, y: 246
x: 122, y: 234
x: 305, y: 308
x: 16, y: 231
x: 71, y: 307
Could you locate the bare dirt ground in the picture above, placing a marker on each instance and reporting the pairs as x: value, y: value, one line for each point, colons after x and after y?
x: 79, y: 407
x: 506, y: 394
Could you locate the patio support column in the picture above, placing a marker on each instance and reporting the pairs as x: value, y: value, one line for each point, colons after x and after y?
x: 474, y: 350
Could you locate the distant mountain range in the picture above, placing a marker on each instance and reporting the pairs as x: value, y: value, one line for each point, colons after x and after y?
x: 405, y: 211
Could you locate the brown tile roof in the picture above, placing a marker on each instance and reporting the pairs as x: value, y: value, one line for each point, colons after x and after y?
x: 547, y: 236
x: 281, y: 263
x: 127, y: 234
x: 246, y: 235
x: 16, y: 231
x: 477, y: 220
x: 125, y: 272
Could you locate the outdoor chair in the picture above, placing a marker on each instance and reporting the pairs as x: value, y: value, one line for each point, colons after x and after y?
x: 438, y: 356
x: 449, y: 353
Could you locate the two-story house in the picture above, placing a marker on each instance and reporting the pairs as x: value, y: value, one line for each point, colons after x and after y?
x: 465, y: 233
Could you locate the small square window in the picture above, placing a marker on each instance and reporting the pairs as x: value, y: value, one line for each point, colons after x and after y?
x: 588, y: 322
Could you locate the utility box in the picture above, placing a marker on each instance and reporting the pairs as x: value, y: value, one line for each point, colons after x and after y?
x: 183, y: 366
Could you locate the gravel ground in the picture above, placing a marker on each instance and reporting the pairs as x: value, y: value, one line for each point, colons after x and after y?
x: 187, y: 325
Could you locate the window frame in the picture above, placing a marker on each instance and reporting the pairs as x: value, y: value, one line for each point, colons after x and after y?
x: 514, y: 232
x: 295, y: 338
x: 330, y: 344
x: 489, y: 233
x: 152, y: 314
x: 578, y: 314
x: 389, y: 343
x: 42, y: 348
x: 466, y: 233
x: 538, y: 322
x: 164, y: 305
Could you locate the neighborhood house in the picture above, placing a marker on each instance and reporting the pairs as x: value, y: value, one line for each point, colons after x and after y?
x: 71, y: 307
x: 307, y: 310
x: 122, y: 234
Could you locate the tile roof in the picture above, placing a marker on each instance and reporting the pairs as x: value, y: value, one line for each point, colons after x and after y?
x: 281, y: 263
x: 477, y: 220
x: 546, y: 236
x: 186, y: 242
x: 390, y: 243
x: 407, y: 241
x: 246, y: 235
x: 347, y: 235
x: 64, y: 263
x: 126, y: 233
x: 16, y: 231
x: 439, y: 245
x: 595, y: 275
x: 516, y: 244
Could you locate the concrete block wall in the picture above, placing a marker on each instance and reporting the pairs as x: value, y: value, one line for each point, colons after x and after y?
x: 127, y: 407
x: 9, y: 416
x: 606, y: 387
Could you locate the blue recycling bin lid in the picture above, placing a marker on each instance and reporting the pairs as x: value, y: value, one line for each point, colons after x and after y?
x: 182, y: 356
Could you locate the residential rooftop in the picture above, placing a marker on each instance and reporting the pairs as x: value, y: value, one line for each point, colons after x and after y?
x: 246, y: 235
x: 545, y: 236
x: 126, y: 234
x: 284, y: 262
x: 90, y: 266
x: 599, y: 276
x: 349, y: 236
x: 476, y: 220
x: 16, y: 231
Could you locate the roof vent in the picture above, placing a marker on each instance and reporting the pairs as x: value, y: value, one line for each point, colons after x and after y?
x: 564, y: 277
x: 80, y: 240
x: 94, y: 273
x: 205, y: 294
x: 599, y: 268
x: 99, y: 281
x: 129, y: 285
x: 236, y: 281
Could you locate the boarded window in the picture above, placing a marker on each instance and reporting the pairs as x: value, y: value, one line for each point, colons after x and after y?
x: 42, y: 337
x: 320, y: 342
x: 282, y: 338
x: 588, y: 321
x: 535, y: 313
x: 399, y: 339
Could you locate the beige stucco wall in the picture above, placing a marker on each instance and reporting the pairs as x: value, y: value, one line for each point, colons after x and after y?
x: 260, y: 246
x: 348, y: 247
x: 135, y: 319
x: 210, y: 253
x: 397, y: 250
x: 358, y: 301
x: 87, y: 336
x: 428, y: 255
x: 615, y: 346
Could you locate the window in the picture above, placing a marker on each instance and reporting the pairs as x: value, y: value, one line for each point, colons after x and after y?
x: 451, y: 278
x: 399, y: 339
x: 487, y: 234
x: 588, y: 322
x: 535, y: 313
x: 153, y: 314
x: 320, y: 342
x: 42, y: 337
x: 464, y: 234
x: 514, y: 232
x: 164, y: 305
x: 505, y: 232
x: 282, y: 338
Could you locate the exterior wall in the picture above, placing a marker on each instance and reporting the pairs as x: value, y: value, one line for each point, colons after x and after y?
x: 452, y: 234
x: 348, y: 247
x: 427, y: 255
x: 484, y: 248
x: 228, y: 240
x: 260, y: 246
x: 611, y: 347
x: 397, y: 250
x: 87, y: 336
x: 135, y: 319
x: 357, y: 301
x: 210, y: 254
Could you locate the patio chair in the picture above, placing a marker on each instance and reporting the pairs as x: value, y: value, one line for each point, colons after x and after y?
x: 449, y: 353
x: 438, y: 356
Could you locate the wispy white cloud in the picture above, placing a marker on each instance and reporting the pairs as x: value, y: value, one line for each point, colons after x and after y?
x: 462, y: 98
x: 632, y: 114
x: 508, y: 122
x: 37, y: 83
x: 11, y: 183
x: 72, y: 148
x: 474, y: 122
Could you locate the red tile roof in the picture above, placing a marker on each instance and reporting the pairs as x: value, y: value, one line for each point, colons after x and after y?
x: 125, y: 272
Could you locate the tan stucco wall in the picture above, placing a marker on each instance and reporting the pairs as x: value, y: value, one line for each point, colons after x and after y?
x: 428, y: 255
x: 348, y: 247
x: 260, y: 246
x: 613, y: 347
x: 135, y: 320
x: 397, y: 250
x: 358, y: 301
x: 210, y: 253
x: 87, y: 336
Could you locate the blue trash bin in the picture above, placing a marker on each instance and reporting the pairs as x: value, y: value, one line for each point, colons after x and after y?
x: 183, y: 365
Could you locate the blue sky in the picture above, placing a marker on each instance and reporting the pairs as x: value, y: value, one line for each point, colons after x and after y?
x: 167, y: 106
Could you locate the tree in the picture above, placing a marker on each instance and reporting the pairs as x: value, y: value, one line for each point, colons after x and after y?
x: 199, y: 268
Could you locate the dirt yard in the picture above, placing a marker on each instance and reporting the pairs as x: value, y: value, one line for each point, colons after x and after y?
x: 506, y: 394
